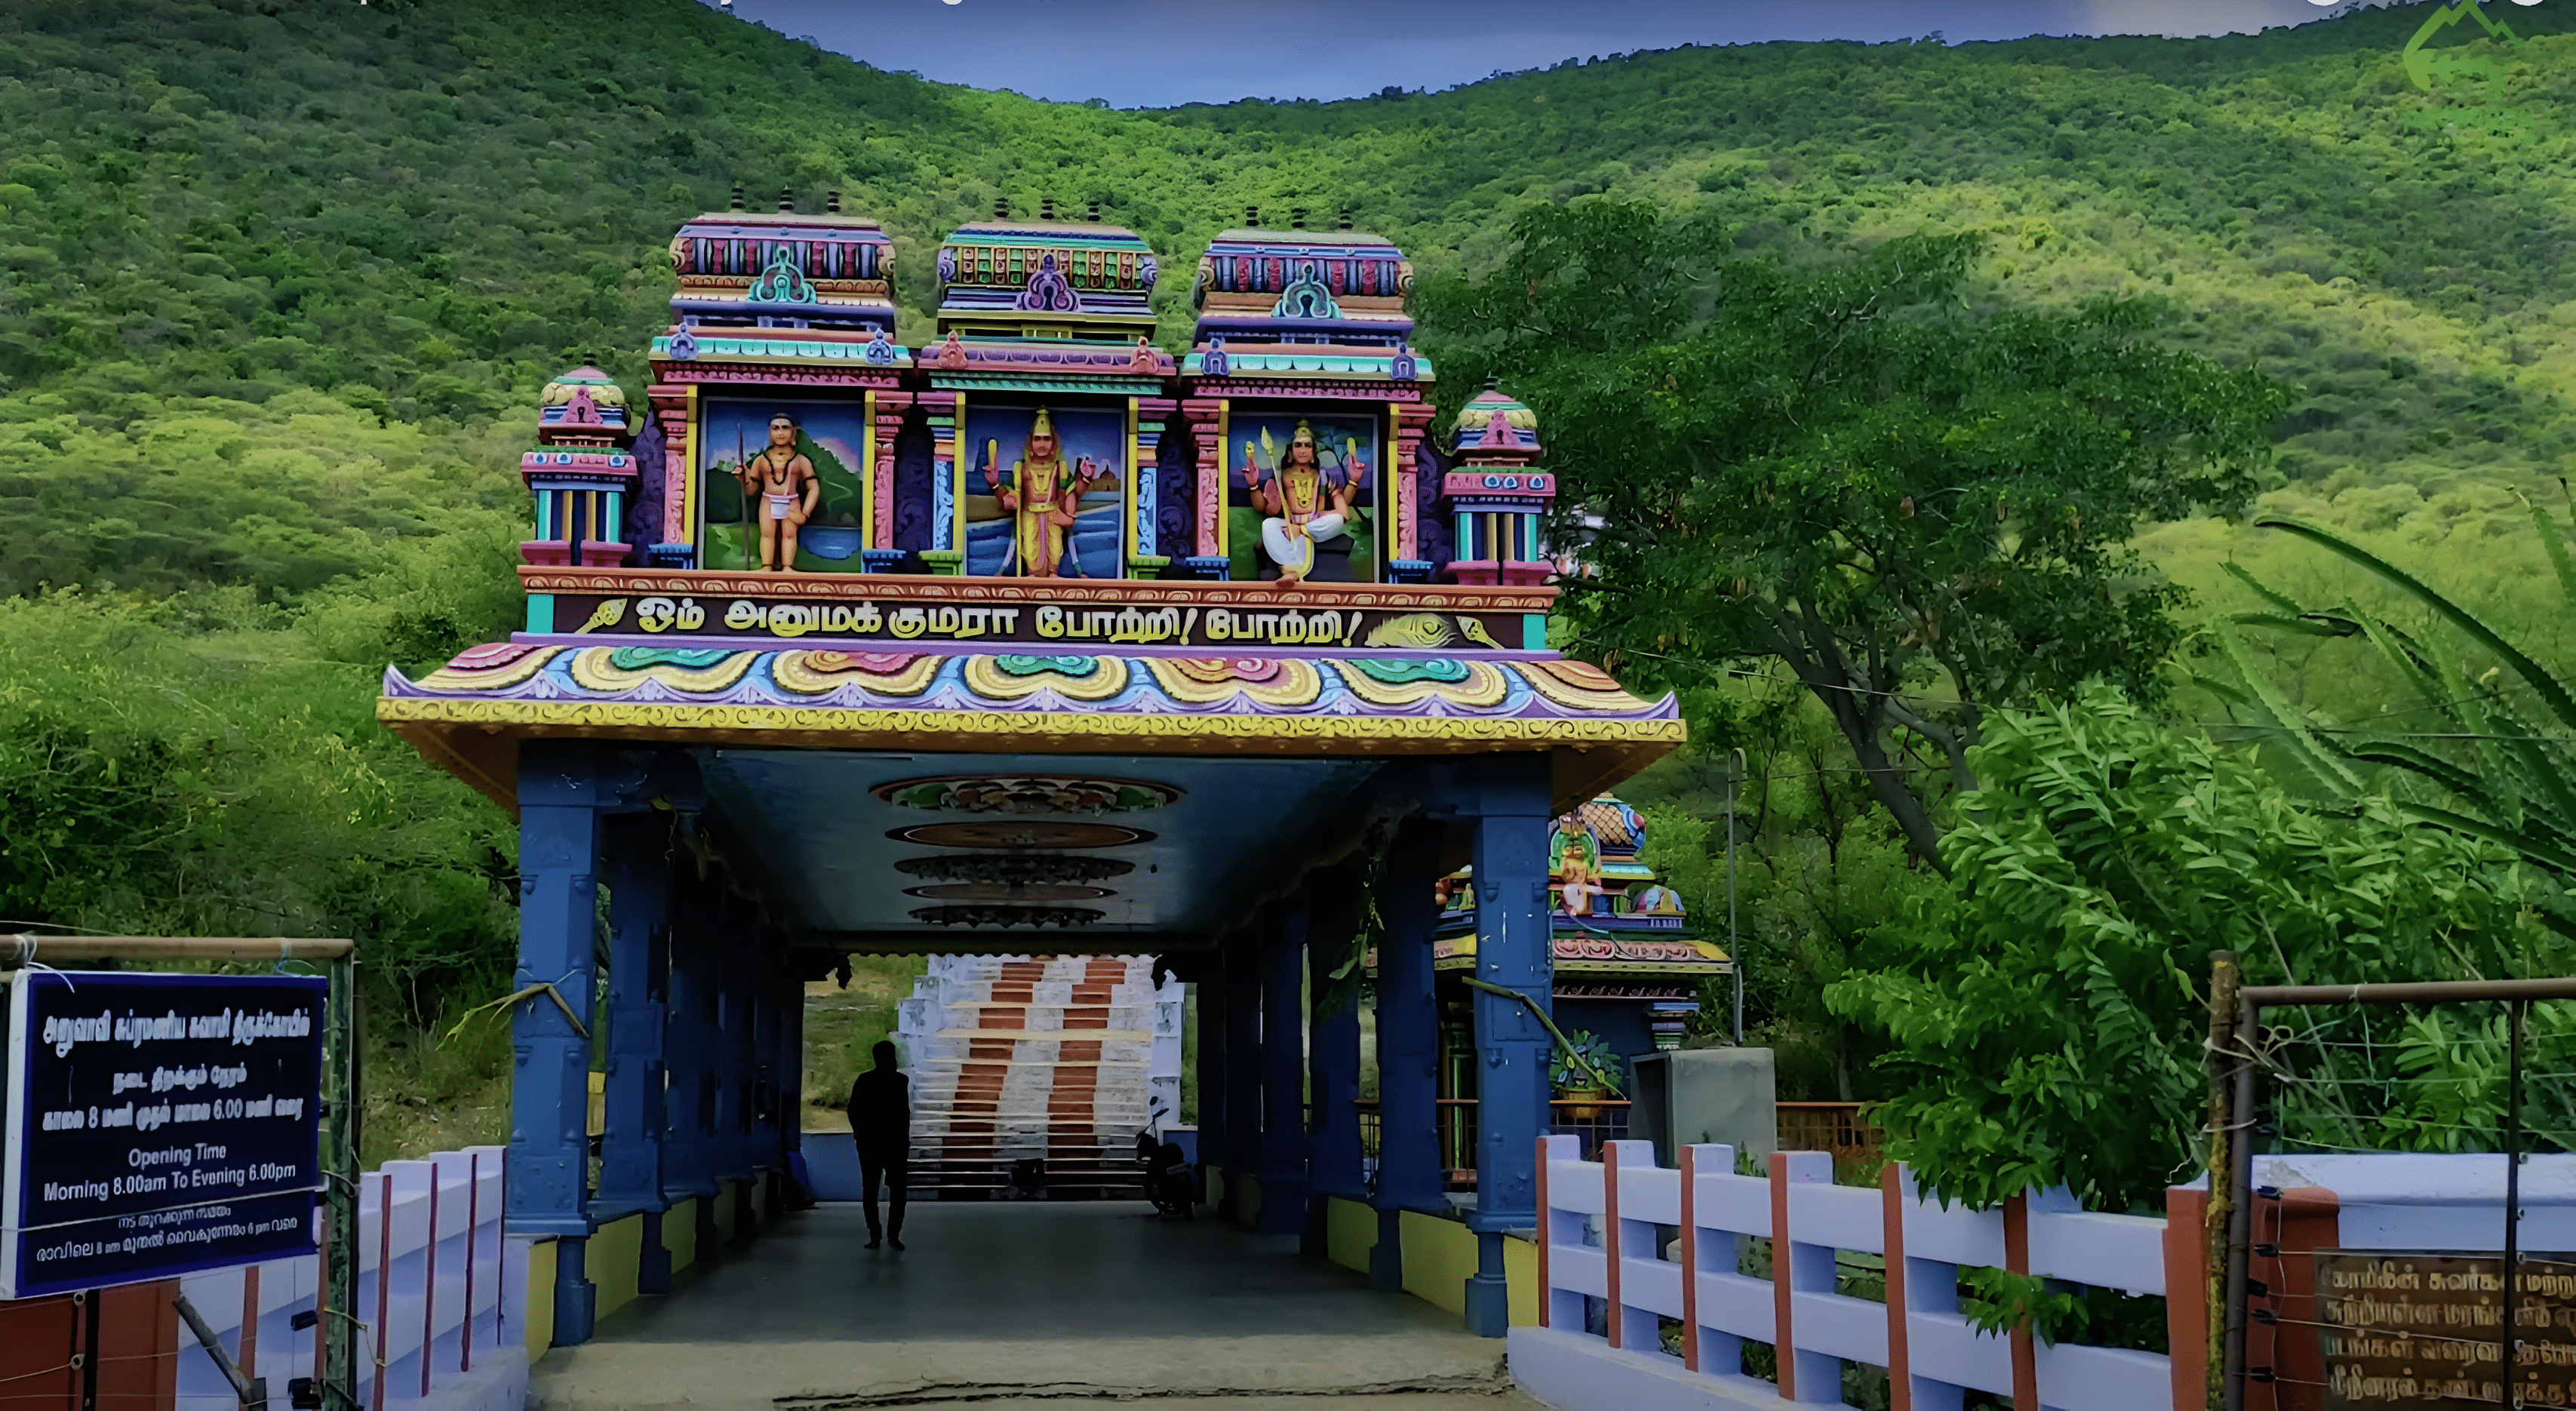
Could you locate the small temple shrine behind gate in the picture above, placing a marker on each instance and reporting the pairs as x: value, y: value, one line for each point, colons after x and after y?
x: 1041, y: 640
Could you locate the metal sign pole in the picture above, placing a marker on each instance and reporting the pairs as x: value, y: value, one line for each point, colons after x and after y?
x: 2240, y: 1216
x: 1734, y: 944
x: 338, y: 1328
x: 2508, y: 1336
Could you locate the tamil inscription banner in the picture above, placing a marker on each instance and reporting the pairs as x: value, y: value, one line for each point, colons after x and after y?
x: 1106, y: 622
x: 2420, y: 1328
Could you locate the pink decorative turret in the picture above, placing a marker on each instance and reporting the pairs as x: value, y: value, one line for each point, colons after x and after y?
x: 1495, y: 498
x: 580, y: 473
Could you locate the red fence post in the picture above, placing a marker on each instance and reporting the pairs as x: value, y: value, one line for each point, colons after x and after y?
x: 1610, y: 1239
x: 429, y: 1283
x: 2187, y: 1295
x: 249, y: 1359
x: 1690, y: 1257
x: 1784, y: 1344
x: 2025, y: 1356
x: 1892, y: 1202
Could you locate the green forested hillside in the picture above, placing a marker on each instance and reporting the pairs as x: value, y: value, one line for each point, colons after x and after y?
x: 279, y: 279
x: 422, y: 210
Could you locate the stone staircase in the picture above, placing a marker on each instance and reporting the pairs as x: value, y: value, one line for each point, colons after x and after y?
x: 1063, y: 1059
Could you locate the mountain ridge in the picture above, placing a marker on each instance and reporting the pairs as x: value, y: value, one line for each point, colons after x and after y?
x: 423, y: 211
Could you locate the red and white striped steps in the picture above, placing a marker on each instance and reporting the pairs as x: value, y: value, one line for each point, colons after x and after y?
x: 1061, y: 1058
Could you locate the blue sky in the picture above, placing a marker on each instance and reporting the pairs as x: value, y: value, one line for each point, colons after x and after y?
x: 1155, y: 53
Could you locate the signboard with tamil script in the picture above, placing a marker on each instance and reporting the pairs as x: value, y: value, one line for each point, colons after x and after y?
x: 157, y: 1125
x: 2420, y: 1329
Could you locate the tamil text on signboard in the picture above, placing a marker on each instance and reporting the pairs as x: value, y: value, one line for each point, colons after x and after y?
x: 2419, y: 1328
x: 157, y: 1125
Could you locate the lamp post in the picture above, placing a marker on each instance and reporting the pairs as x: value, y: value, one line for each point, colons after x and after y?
x: 1734, y: 949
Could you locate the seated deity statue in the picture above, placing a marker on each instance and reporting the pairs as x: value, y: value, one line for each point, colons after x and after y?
x: 1578, y: 865
x: 1303, y: 502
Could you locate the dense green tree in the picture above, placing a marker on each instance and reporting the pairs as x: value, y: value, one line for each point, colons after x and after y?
x: 2047, y: 1011
x: 1920, y: 510
x: 1819, y: 869
x: 209, y: 765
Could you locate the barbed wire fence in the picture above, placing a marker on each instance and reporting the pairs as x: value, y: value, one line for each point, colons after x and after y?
x: 2458, y: 1067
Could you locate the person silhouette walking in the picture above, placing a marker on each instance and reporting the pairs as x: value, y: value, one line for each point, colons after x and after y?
x: 881, y: 1124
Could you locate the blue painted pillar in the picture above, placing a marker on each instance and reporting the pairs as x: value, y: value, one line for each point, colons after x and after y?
x: 688, y: 1157
x: 759, y: 1137
x: 1242, y: 1069
x: 1208, y: 996
x: 1283, y: 1078
x: 549, y: 1158
x: 733, y: 940
x: 1408, y: 1051
x: 639, y: 929
x: 736, y: 947
x: 1512, y: 951
x: 769, y: 1119
x: 790, y: 1083
x: 1332, y: 1053
x: 734, y: 1037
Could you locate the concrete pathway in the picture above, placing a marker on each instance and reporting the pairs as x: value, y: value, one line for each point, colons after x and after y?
x: 1008, y: 1304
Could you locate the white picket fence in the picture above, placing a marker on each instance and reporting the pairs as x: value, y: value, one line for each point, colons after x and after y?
x: 440, y: 1299
x: 1602, y: 1251
x: 1598, y: 1241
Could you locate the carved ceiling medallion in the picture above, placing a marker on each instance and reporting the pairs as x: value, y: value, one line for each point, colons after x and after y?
x: 1007, y: 892
x: 1020, y: 834
x: 1014, y: 869
x: 1026, y: 794
x: 987, y: 917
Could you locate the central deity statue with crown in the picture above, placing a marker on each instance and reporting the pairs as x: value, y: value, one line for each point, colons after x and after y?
x: 1043, y: 497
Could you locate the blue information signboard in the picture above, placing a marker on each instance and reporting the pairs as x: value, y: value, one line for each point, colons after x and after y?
x: 157, y: 1125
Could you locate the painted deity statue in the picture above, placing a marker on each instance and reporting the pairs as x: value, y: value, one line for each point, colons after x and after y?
x: 1301, y: 502
x: 1043, y: 497
x: 1578, y: 865
x: 781, y: 487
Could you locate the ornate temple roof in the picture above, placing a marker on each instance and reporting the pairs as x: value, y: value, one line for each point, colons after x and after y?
x: 735, y: 266
x: 1635, y: 926
x: 1046, y: 306
x: 1303, y: 304
x: 1086, y: 279
x: 469, y: 713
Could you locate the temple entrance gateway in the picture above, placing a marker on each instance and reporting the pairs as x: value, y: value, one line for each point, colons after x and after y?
x: 1025, y: 681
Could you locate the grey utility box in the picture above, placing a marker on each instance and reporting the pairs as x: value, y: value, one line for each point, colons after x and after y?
x: 1693, y: 1096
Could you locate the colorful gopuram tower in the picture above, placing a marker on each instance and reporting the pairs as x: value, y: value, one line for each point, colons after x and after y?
x: 583, y: 478
x: 1037, y: 641
x: 1045, y: 402
x: 1306, y: 330
x: 779, y: 314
